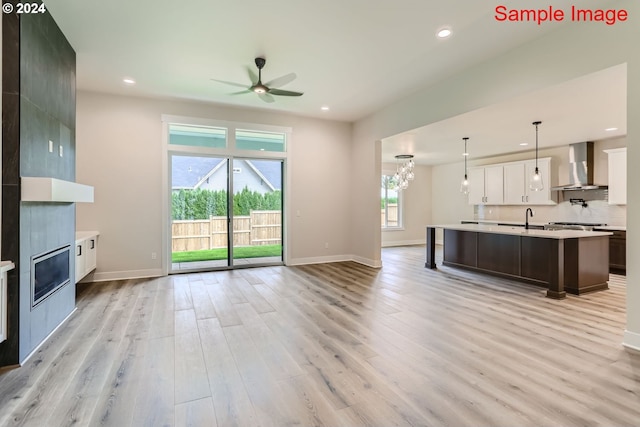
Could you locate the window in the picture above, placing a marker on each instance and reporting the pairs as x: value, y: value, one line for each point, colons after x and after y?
x: 390, y: 203
x: 260, y: 140
x: 197, y: 136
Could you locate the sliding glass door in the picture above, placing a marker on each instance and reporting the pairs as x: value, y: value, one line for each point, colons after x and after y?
x: 222, y: 216
x: 257, y: 211
x: 199, y: 212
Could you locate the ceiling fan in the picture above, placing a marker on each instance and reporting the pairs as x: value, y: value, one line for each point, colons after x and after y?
x: 264, y: 90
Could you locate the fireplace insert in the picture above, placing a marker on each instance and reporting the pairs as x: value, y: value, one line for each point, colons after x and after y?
x: 49, y: 272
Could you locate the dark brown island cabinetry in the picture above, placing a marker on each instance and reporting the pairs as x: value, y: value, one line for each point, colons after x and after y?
x: 561, y: 261
x: 618, y: 252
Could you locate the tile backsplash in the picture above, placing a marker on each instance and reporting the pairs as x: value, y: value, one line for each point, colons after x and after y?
x: 598, y: 210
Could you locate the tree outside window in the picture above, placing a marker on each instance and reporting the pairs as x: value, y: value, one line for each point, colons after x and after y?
x: 390, y: 203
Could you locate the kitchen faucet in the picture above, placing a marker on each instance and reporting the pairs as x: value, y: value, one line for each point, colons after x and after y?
x: 526, y: 218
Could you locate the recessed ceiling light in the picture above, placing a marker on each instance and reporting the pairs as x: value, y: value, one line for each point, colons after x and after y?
x: 465, y: 154
x: 611, y: 129
x: 443, y: 33
x: 524, y: 143
x: 324, y: 108
x: 129, y: 81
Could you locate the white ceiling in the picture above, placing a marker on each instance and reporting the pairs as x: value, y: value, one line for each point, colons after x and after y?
x: 354, y: 56
x: 575, y: 111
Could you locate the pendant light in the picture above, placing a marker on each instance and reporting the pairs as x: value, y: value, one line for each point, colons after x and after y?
x: 464, y: 186
x: 535, y: 182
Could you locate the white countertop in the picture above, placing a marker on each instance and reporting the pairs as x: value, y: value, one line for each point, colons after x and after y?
x: 493, y: 221
x: 81, y: 235
x: 540, y: 224
x: 519, y: 231
x: 6, y: 266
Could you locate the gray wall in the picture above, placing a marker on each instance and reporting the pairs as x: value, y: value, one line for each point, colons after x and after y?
x: 38, y: 106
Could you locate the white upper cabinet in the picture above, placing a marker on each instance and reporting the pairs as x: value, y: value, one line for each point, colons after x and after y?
x: 493, y: 183
x: 486, y: 185
x: 516, y: 183
x: 617, y: 176
x: 476, y: 186
x: 508, y: 184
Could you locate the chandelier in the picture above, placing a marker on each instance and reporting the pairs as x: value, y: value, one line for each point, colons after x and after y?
x: 404, y: 171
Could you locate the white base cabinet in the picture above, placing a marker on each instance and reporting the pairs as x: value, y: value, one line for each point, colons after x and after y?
x: 86, y: 253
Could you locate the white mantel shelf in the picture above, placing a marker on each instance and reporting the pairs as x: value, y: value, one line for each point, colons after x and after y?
x: 44, y: 189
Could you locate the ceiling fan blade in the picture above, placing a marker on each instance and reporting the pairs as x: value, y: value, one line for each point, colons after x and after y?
x: 281, y: 81
x: 281, y: 92
x: 241, y: 92
x: 266, y: 97
x: 252, y: 75
x: 230, y: 83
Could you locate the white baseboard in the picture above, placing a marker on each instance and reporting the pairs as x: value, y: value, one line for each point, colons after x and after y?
x: 319, y: 260
x: 335, y: 258
x: 129, y: 274
x: 157, y: 272
x: 403, y: 243
x: 366, y: 261
x: 631, y: 340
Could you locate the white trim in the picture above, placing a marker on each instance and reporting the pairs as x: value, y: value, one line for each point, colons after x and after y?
x: 334, y: 258
x: 400, y: 207
x: 229, y: 152
x: 631, y: 340
x: 165, y: 189
x: 366, y: 261
x: 156, y: 272
x: 23, y: 361
x: 200, y: 121
x: 4, y: 267
x: 319, y: 260
x: 403, y: 243
x: 128, y: 274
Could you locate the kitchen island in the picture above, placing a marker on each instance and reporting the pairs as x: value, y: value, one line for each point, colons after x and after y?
x: 560, y: 260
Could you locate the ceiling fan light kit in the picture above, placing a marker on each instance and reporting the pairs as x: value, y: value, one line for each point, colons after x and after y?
x: 265, y: 91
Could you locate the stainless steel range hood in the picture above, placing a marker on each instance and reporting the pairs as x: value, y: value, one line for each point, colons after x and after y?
x: 580, y: 169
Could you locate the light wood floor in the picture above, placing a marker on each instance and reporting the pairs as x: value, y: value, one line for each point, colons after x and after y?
x: 335, y: 345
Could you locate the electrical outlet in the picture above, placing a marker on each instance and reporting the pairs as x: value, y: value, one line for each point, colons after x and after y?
x: 60, y: 150
x: 326, y: 245
x: 50, y: 146
x: 154, y: 255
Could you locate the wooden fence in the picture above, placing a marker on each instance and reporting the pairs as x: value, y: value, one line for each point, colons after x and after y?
x: 393, y: 215
x: 259, y: 228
